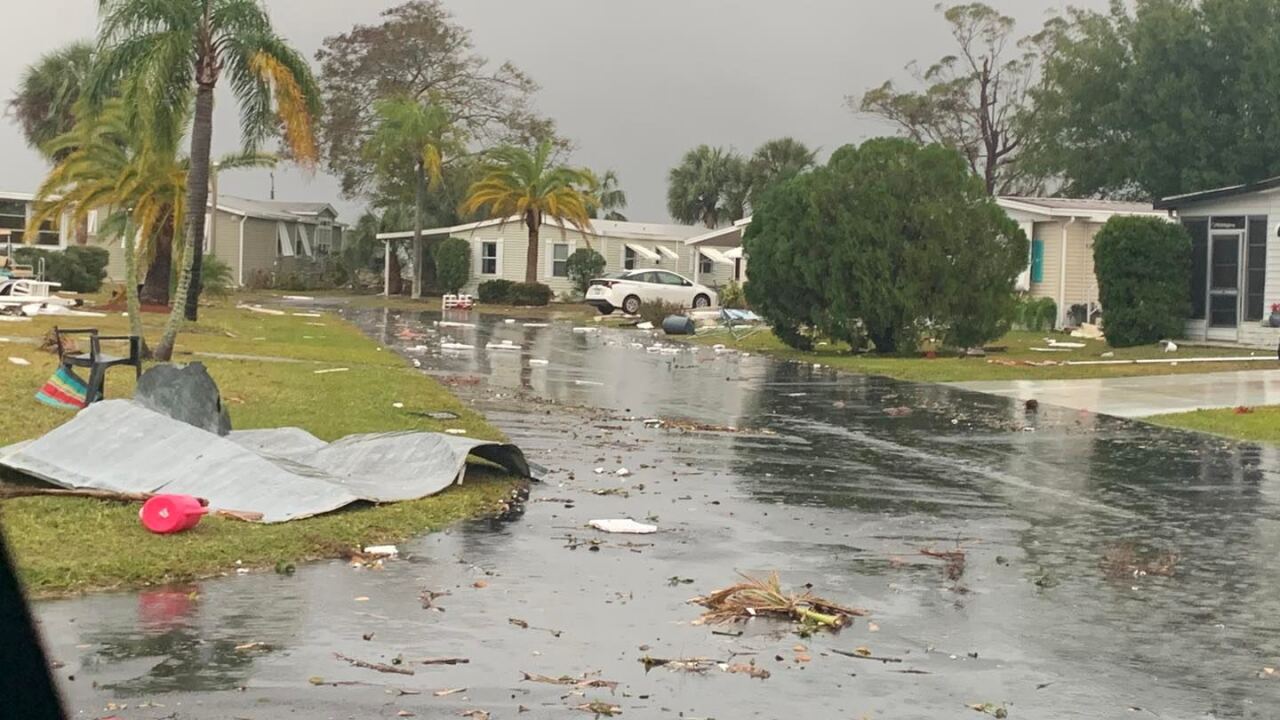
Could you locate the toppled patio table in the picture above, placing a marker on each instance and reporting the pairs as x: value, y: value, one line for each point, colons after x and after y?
x: 283, y: 473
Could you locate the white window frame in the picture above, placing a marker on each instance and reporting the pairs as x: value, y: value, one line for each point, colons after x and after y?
x: 549, y: 257
x: 568, y: 250
x: 635, y: 258
x: 284, y: 244
x: 497, y: 257
x: 324, y: 238
x: 706, y: 265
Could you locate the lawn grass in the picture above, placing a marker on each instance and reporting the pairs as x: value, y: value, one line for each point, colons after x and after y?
x: 1260, y: 424
x: 556, y: 310
x: 66, y: 545
x: 1017, y: 344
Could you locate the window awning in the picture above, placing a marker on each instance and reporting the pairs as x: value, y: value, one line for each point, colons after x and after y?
x: 735, y: 254
x: 643, y: 251
x: 715, y: 256
x: 668, y: 252
x: 282, y: 239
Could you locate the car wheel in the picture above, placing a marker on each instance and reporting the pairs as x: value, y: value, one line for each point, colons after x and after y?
x: 605, y: 309
x: 631, y: 305
x: 702, y: 301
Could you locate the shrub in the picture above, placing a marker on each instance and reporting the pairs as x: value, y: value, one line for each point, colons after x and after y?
x: 1144, y: 270
x: 1036, y: 314
x: 94, y: 260
x: 733, y: 297
x: 584, y: 266
x: 886, y: 240
x: 453, y: 263
x: 495, y: 292
x: 529, y: 294
x: 655, y: 311
x: 76, y: 269
x: 215, y: 277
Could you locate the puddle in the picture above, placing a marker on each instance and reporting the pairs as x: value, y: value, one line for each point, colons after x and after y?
x: 827, y: 488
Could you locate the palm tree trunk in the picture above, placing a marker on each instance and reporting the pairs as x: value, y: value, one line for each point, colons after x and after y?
x: 155, y: 288
x: 198, y: 194
x: 132, y: 304
x: 197, y: 198
x: 531, y: 258
x: 395, y: 283
x: 419, y: 272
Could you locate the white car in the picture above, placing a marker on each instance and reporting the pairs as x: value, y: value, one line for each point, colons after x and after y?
x: 626, y: 290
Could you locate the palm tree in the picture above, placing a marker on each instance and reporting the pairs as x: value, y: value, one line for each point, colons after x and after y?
x: 136, y: 179
x: 45, y: 103
x: 407, y: 128
x: 531, y: 186
x: 709, y: 186
x: 777, y: 160
x: 157, y: 51
x: 608, y: 197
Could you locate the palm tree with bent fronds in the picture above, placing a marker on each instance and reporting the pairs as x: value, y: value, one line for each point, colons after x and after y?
x: 137, y: 180
x: 532, y: 187
x: 608, y: 197
x: 159, y: 51
x: 45, y: 102
x: 777, y: 160
x: 709, y: 186
x: 422, y: 131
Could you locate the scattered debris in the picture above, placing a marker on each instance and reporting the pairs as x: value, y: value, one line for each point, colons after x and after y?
x: 382, y: 550
x: 480, y: 584
x: 259, y: 309
x: 448, y: 692
x: 1243, y: 410
x: 1126, y: 560
x: 252, y: 646
x: 624, y: 526
x: 524, y: 625
x: 897, y: 411
x: 445, y: 661
x: 1032, y: 405
x: 600, y: 708
x: 475, y: 714
x: 864, y: 653
x: 380, y: 667
x: 644, y: 326
x: 747, y: 669
x: 19, y: 361
x: 991, y: 709
x: 1169, y: 346
x: 586, y: 681
x: 332, y: 370
x: 754, y: 597
x: 622, y: 472
x: 676, y: 581
x: 955, y: 561
x: 695, y: 665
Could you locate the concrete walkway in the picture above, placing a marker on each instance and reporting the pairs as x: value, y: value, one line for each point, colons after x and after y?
x: 1143, y: 396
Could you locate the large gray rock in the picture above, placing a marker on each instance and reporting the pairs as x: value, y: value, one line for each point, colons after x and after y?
x: 186, y: 393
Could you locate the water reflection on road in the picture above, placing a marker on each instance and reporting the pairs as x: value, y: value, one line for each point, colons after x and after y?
x: 836, y: 480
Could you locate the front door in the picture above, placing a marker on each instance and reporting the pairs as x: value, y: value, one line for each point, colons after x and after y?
x: 1224, y: 285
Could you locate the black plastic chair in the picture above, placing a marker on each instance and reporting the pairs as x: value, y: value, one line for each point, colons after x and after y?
x: 96, y: 361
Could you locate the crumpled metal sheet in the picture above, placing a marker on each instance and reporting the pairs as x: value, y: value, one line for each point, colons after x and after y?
x: 285, y: 473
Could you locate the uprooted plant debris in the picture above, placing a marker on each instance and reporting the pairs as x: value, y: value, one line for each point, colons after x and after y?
x: 600, y: 708
x: 524, y: 625
x: 684, y: 425
x: 586, y: 681
x: 380, y: 667
x: 1128, y: 560
x: 754, y: 597
x: 703, y: 665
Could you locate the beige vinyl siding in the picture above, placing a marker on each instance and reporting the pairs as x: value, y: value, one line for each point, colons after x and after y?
x: 259, y: 248
x: 513, y: 244
x: 1050, y: 235
x: 1082, y: 283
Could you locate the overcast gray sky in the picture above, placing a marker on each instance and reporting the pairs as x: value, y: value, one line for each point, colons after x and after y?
x: 633, y: 83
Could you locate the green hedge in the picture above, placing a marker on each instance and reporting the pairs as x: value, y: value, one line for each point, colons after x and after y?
x: 80, y: 268
x: 495, y: 292
x: 1144, y: 270
x: 530, y: 294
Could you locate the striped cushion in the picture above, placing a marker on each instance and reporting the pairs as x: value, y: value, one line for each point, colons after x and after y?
x: 64, y: 390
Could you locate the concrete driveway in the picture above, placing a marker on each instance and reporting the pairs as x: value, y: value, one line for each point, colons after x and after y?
x: 1136, y: 397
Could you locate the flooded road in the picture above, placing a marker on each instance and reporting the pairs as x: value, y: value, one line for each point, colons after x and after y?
x: 837, y: 481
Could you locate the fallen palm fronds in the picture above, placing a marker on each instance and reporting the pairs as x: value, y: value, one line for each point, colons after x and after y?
x: 754, y: 597
x: 1126, y: 560
x: 600, y: 708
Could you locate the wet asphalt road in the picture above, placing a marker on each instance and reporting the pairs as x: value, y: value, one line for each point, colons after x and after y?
x: 826, y: 487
